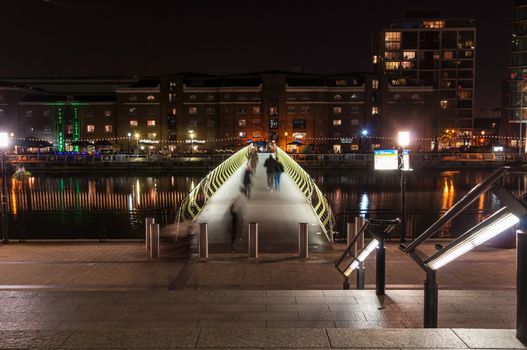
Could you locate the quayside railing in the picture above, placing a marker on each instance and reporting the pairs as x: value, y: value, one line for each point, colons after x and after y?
x: 198, y: 197
x: 309, y: 188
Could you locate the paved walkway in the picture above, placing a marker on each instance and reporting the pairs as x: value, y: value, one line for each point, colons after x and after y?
x: 277, y: 214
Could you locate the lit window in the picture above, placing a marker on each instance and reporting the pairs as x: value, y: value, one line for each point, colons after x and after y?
x: 392, y: 65
x: 150, y: 98
x: 28, y: 113
x: 257, y: 122
x: 305, y: 109
x: 107, y: 113
x: 375, y: 84
x: 193, y: 110
x: 151, y: 123
x: 151, y: 135
x: 273, y: 111
x: 133, y: 123
x: 108, y: 128
x: 337, y: 122
x: 132, y: 110
x: 90, y: 128
x: 192, y: 97
x: 448, y: 55
x: 242, y: 122
x: 273, y: 123
x: 210, y: 98
x: 444, y: 104
x: 354, y: 122
x: 392, y: 55
x: 242, y: 134
x: 375, y: 59
x: 256, y: 110
x: 341, y: 82
x: 374, y: 110
x: 433, y: 24
x: 211, y: 110
x: 392, y: 36
x: 299, y: 123
x: 257, y: 134
x: 407, y: 65
x: 464, y: 94
x: 174, y: 110
x: 242, y: 110
x: 409, y: 55
x: 337, y: 110
x: 337, y: 97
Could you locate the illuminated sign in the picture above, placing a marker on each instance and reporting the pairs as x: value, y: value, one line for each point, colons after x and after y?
x: 386, y: 159
x: 406, y: 160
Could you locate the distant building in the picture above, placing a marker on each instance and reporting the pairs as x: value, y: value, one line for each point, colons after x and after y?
x: 426, y: 49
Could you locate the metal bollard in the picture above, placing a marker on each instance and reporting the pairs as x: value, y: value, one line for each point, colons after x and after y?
x: 154, y: 240
x: 253, y: 240
x: 380, y: 260
x: 148, y: 222
x: 521, y: 287
x: 359, y: 222
x: 303, y: 240
x: 350, y: 231
x: 203, y: 241
x: 430, y: 300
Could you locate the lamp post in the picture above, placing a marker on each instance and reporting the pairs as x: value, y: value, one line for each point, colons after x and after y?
x: 4, y: 142
x: 129, y: 137
x: 404, y: 141
x: 136, y: 135
x: 286, y: 134
x: 191, y: 135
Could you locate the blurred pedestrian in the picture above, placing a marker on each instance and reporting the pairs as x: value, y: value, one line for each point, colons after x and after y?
x: 247, y: 181
x: 254, y: 160
x: 270, y: 165
x: 237, y: 214
x: 278, y: 174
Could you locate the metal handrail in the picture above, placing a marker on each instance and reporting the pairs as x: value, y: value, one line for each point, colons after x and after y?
x: 309, y: 188
x: 196, y: 200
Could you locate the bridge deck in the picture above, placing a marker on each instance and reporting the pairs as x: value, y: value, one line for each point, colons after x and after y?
x: 277, y: 213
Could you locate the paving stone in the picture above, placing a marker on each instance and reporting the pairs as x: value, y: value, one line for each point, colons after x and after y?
x: 297, y: 308
x: 266, y: 300
x: 29, y: 325
x: 270, y: 337
x: 395, y: 338
x: 234, y: 308
x: 295, y: 293
x: 326, y: 300
x: 94, y: 325
x: 267, y: 316
x: 300, y: 324
x: 232, y: 324
x: 360, y: 324
x: 33, y: 339
x: 136, y: 338
x: 490, y: 338
x: 331, y: 316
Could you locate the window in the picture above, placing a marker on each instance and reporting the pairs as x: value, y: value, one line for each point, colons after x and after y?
x: 299, y: 123
x: 375, y: 84
x: 256, y: 110
x: 337, y: 97
x: 242, y: 134
x: 392, y: 36
x: 337, y: 122
x: 341, y: 82
x: 107, y: 113
x: 211, y: 123
x: 210, y: 98
x: 291, y: 109
x: 305, y: 109
x: 375, y: 59
x: 211, y: 110
x: 392, y: 55
x: 28, y: 113
x: 242, y: 110
x: 354, y: 122
x: 132, y: 98
x: 355, y: 110
x: 192, y: 97
x: 409, y: 55
x: 257, y: 134
x: 108, y: 128
x: 134, y: 123
x: 374, y: 110
x: 90, y: 128
x: 337, y: 110
x: 273, y: 111
x: 242, y: 122
x: 433, y: 24
x: 444, y: 104
x: 257, y: 122
x: 407, y: 65
x: 242, y: 98
x: 273, y: 123
x: 150, y: 98
x: 448, y: 55
x: 464, y: 94
x: 193, y: 110
x: 151, y: 135
x: 151, y: 122
x: 392, y: 65
x: 132, y: 110
x: 46, y: 113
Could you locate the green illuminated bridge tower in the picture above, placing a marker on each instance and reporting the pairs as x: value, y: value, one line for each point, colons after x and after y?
x: 278, y: 213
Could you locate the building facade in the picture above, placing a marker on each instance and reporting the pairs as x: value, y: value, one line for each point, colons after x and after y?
x: 426, y: 49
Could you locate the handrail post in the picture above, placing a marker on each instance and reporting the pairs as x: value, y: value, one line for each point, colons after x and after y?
x: 359, y: 222
x: 380, y: 270
x: 154, y: 238
x: 303, y: 240
x: 521, y: 287
x: 148, y: 222
x: 253, y: 240
x: 203, y: 241
x: 430, y: 300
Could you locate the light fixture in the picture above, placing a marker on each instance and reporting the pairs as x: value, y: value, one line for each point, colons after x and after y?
x: 362, y: 256
x: 485, y: 230
x: 4, y: 139
x: 404, y: 138
x: 364, y: 132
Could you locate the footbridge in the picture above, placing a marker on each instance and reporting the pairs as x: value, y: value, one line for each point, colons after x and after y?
x: 278, y: 213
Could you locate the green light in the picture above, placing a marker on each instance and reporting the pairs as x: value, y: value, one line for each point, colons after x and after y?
x: 76, y: 128
x: 60, y: 128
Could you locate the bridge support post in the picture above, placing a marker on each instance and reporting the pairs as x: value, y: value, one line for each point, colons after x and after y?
x: 148, y: 222
x: 360, y: 276
x: 431, y: 300
x: 380, y: 270
x: 359, y: 245
x: 154, y: 239
x: 303, y: 240
x: 253, y: 240
x: 203, y: 241
x: 350, y: 234
x: 521, y: 287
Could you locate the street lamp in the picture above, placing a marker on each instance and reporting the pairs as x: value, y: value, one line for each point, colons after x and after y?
x: 404, y: 160
x: 4, y: 143
x: 191, y: 135
x: 136, y: 135
x: 129, y: 137
x: 286, y: 134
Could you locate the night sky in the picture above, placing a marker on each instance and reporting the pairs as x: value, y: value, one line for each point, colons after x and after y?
x: 110, y: 37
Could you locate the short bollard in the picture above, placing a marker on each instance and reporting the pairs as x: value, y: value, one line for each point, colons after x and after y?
x: 430, y: 300
x: 350, y: 231
x: 303, y: 240
x: 154, y: 240
x: 148, y: 222
x: 253, y: 240
x: 380, y: 270
x: 521, y: 287
x: 203, y: 241
x: 359, y: 222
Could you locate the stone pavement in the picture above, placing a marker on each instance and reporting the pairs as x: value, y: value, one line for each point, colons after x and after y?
x: 110, y: 295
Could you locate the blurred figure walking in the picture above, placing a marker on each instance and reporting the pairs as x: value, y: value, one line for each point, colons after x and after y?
x: 278, y: 174
x: 270, y: 165
x: 237, y: 215
x: 253, y: 160
x: 247, y: 181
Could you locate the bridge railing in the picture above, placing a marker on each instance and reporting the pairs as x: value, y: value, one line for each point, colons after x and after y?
x: 309, y: 188
x: 196, y: 200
